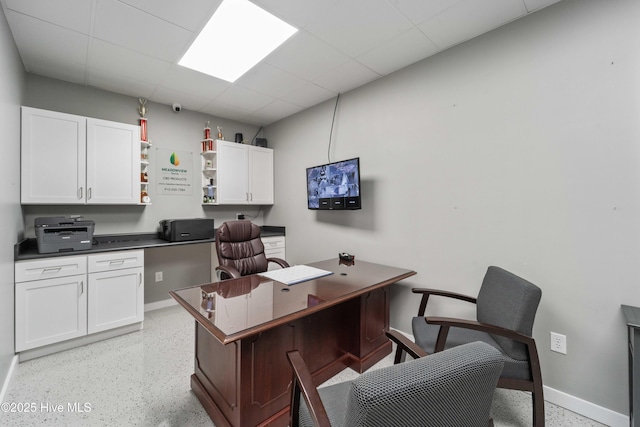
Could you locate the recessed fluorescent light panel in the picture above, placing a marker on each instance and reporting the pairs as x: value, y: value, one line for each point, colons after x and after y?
x: 237, y: 37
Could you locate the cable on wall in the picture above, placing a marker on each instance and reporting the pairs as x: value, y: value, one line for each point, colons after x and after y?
x: 254, y: 136
x: 331, y: 132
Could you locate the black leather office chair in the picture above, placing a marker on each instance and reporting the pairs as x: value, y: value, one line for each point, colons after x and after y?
x: 452, y: 388
x: 506, y: 307
x: 241, y: 251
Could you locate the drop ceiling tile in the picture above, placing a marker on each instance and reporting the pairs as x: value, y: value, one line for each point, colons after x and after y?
x: 469, y: 19
x: 224, y: 111
x: 108, y: 81
x: 309, y: 95
x: 62, y: 70
x: 238, y: 96
x: 298, y: 13
x: 392, y: 55
x: 62, y: 45
x: 538, y: 4
x: 420, y: 11
x: 169, y: 97
x: 131, y: 28
x: 126, y: 63
x: 306, y: 56
x: 192, y: 82
x: 346, y: 77
x: 57, y: 12
x: 272, y: 113
x: 356, y: 26
x: 269, y: 80
x: 188, y: 14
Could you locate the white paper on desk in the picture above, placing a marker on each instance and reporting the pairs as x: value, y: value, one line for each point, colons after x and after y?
x: 295, y: 274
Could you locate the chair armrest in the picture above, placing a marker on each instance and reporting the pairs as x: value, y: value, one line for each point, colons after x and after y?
x: 282, y: 263
x: 447, y: 322
x: 426, y: 293
x: 405, y: 344
x: 303, y: 384
x: 228, y: 271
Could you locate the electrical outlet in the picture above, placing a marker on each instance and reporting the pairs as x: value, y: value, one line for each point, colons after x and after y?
x: 239, y: 216
x: 158, y: 276
x: 558, y: 343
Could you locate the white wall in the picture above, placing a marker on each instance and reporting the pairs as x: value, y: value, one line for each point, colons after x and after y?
x: 520, y: 149
x: 11, y: 96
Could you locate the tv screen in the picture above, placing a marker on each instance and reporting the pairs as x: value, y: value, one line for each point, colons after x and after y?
x: 334, y: 185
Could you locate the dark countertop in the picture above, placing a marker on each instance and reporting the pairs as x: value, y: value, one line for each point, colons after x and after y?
x: 631, y: 315
x: 28, y: 249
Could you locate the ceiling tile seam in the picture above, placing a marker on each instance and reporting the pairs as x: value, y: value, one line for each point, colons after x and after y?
x: 146, y: 12
x: 92, y: 25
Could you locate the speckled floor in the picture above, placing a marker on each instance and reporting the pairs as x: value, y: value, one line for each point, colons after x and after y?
x: 142, y: 379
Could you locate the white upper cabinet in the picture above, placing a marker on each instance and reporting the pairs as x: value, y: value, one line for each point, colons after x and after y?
x: 245, y: 174
x: 69, y: 159
x: 113, y: 163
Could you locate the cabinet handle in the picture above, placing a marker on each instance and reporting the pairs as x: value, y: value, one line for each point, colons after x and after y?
x: 52, y: 270
x: 116, y: 262
x: 251, y: 197
x: 89, y: 193
x: 139, y: 279
x: 247, y: 198
x: 81, y: 288
x: 80, y: 193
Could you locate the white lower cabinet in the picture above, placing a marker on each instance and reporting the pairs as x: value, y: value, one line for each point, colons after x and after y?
x: 60, y: 298
x: 274, y: 247
x: 116, y: 290
x: 50, y: 310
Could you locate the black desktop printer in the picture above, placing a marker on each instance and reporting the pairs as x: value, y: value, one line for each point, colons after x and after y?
x: 61, y: 234
x: 182, y: 230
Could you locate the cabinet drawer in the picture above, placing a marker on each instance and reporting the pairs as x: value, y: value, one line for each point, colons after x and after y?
x: 49, y: 268
x: 115, y: 261
x: 274, y: 242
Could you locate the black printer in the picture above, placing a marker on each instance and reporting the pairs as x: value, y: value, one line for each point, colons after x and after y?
x: 182, y: 230
x: 61, y: 234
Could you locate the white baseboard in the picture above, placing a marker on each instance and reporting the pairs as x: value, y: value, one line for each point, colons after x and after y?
x: 577, y: 405
x: 160, y: 304
x: 9, y: 377
x: 586, y: 409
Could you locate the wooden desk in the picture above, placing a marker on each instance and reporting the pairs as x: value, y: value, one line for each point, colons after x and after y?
x: 244, y: 328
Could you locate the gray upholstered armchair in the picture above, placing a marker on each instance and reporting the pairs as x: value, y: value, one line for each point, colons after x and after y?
x: 505, y: 310
x: 449, y: 389
x: 241, y: 251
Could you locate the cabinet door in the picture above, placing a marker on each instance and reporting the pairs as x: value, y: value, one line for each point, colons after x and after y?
x: 233, y: 178
x: 260, y: 176
x: 50, y: 311
x: 116, y: 298
x: 113, y: 163
x: 52, y: 157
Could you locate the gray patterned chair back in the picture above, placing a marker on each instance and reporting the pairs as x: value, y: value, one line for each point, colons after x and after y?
x: 510, y: 302
x: 452, y: 388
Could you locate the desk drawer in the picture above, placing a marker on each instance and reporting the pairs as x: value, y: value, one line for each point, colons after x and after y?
x: 50, y: 268
x: 115, y: 261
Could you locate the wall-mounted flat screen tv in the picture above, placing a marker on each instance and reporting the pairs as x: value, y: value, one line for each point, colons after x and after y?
x: 334, y: 186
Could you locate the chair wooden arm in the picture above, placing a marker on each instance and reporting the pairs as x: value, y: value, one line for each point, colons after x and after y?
x: 448, y: 322
x: 426, y: 293
x: 282, y: 263
x: 227, y: 272
x: 405, y: 344
x: 303, y: 385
